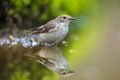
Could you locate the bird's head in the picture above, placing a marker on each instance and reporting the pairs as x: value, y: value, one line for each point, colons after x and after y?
x: 65, y: 72
x: 65, y: 18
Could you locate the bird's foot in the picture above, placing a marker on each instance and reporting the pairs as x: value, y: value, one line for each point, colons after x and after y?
x: 48, y: 44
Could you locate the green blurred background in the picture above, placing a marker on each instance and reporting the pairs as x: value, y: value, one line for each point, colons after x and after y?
x: 93, y: 40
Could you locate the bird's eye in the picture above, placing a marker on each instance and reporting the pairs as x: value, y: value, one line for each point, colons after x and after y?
x: 64, y: 73
x: 64, y: 17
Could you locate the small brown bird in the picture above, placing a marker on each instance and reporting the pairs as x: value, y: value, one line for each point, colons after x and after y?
x: 54, y: 31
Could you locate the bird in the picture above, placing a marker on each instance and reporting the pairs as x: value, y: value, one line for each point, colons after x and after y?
x: 54, y: 30
x: 53, y: 58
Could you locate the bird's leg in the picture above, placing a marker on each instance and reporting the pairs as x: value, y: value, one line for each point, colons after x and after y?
x: 48, y: 44
x: 53, y: 44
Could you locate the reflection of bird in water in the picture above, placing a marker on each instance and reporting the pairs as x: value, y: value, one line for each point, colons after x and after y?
x: 53, y: 58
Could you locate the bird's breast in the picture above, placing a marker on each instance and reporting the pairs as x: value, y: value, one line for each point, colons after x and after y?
x: 60, y: 35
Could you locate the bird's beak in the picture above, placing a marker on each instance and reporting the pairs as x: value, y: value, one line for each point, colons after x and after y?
x: 71, y: 18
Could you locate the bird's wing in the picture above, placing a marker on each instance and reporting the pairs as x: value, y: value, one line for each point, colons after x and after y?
x: 42, y: 29
x: 49, y: 27
x: 45, y: 61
